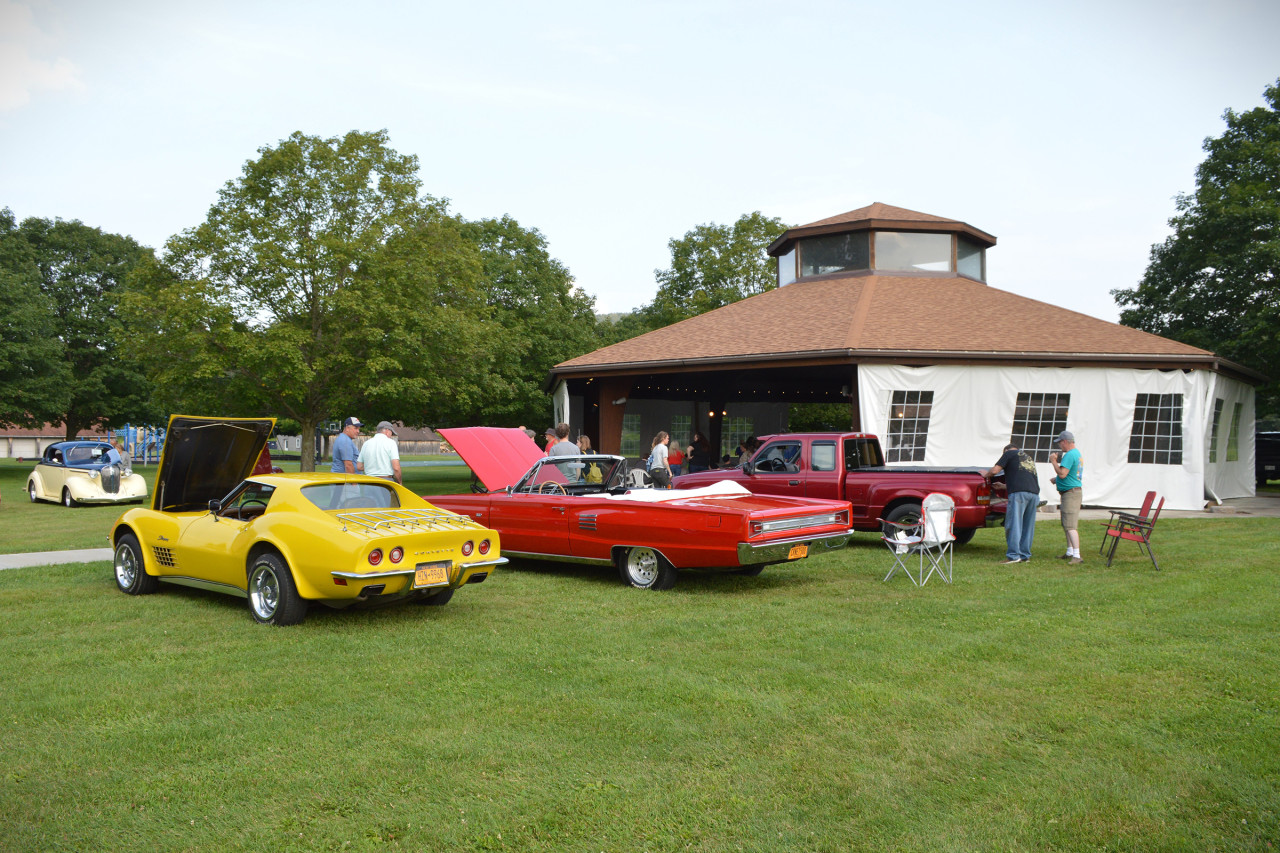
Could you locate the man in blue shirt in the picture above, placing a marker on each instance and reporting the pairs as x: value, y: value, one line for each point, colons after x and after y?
x: 1069, y: 466
x: 344, y: 447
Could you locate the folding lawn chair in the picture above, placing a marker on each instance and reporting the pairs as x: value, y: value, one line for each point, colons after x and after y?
x: 931, y: 538
x: 1120, y: 518
x: 1134, y: 529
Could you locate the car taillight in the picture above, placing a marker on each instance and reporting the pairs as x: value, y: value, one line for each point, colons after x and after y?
x: 375, y: 556
x: 984, y: 493
x: 484, y: 547
x: 468, y: 547
x: 397, y: 554
x: 757, y: 527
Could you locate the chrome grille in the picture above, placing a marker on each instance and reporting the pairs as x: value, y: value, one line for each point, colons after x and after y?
x: 587, y: 521
x: 110, y: 476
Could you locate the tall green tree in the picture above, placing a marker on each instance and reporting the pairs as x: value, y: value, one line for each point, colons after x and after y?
x: 544, y: 319
x: 81, y: 272
x: 715, y: 265
x: 35, y: 385
x: 1215, y: 282
x: 320, y: 285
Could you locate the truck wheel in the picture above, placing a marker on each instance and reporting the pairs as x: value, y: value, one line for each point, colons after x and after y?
x: 964, y: 534
x: 902, y: 514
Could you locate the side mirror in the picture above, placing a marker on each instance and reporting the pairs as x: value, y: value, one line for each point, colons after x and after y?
x: 748, y: 468
x: 215, y: 506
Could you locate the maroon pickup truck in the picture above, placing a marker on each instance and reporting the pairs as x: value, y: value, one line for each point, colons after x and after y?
x: 850, y: 467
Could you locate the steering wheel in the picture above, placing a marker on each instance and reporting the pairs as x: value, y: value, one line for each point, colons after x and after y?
x: 257, y: 501
x: 542, y: 490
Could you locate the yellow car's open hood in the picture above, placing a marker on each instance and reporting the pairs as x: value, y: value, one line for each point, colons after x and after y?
x: 205, y: 458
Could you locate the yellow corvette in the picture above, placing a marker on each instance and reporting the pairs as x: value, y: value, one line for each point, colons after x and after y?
x: 285, y: 540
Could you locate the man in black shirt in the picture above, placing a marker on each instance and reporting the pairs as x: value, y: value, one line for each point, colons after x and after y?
x: 1024, y: 495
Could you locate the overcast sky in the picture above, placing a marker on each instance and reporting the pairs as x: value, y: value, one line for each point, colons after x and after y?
x: 1063, y: 129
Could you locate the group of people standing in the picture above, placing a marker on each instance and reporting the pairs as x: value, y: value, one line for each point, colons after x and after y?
x: 378, y: 457
x: 1023, y: 486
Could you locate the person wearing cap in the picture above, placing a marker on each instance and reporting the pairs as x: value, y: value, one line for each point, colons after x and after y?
x: 380, y: 456
x: 344, y: 447
x: 550, y: 438
x: 1069, y: 467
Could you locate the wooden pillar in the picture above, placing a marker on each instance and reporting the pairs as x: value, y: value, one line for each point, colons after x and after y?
x: 612, y: 389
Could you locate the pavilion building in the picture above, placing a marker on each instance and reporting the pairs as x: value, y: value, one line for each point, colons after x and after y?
x: 888, y: 312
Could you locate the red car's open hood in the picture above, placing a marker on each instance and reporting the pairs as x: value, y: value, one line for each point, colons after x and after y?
x: 498, y: 457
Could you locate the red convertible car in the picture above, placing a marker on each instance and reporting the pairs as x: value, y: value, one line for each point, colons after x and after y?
x: 579, y: 509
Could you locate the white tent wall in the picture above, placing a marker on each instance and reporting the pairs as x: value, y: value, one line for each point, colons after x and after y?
x: 1230, y: 478
x: 973, y: 410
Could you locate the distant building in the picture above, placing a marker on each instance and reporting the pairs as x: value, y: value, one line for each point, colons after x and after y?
x: 888, y: 311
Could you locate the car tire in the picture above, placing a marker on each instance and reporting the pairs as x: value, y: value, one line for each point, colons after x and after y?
x: 440, y: 599
x: 131, y: 573
x: 964, y: 535
x: 645, y: 568
x: 67, y: 500
x: 902, y: 514
x: 273, y: 597
x: 31, y: 492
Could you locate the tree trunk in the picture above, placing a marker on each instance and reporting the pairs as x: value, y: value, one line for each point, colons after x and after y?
x: 308, y: 427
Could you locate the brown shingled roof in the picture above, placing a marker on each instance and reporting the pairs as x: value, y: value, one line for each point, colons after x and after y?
x: 863, y: 316
x: 882, y: 217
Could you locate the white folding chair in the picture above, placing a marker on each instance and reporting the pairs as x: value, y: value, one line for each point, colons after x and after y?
x: 931, y: 538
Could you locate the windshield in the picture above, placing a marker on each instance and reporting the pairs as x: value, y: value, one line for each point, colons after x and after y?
x: 579, y: 475
x: 352, y: 496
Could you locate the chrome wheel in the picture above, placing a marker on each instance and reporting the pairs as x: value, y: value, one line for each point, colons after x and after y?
x: 127, y: 567
x: 31, y: 491
x: 131, y: 575
x: 264, y: 592
x: 67, y: 500
x: 645, y: 568
x: 273, y: 599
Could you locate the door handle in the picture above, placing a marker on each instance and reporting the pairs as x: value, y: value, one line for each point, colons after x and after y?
x: 793, y: 483
x: 558, y: 508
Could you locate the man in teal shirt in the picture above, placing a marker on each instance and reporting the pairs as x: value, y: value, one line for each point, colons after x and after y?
x: 1069, y: 467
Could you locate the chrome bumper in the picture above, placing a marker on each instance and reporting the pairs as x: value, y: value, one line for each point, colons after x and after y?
x: 395, y: 573
x: 777, y: 550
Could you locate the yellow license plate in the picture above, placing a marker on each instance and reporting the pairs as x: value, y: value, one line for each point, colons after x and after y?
x: 798, y: 551
x: 431, y: 574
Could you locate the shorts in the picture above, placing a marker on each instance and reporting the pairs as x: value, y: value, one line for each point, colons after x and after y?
x: 1071, y: 500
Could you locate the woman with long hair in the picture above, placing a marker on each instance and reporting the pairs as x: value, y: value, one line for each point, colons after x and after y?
x: 659, y: 468
x: 699, y: 453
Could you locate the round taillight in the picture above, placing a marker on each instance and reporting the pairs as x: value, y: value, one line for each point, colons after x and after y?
x: 375, y: 556
x: 397, y: 554
x: 467, y: 548
x: 484, y: 547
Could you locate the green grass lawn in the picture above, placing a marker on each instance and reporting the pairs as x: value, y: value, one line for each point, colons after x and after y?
x: 1036, y: 707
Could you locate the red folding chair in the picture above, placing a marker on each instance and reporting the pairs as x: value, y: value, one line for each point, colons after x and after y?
x: 1119, y: 518
x: 1137, y: 530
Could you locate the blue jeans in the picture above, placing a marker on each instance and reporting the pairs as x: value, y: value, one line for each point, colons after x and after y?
x: 1020, y: 525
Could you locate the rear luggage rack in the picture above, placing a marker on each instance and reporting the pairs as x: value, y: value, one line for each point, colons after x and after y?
x: 375, y: 521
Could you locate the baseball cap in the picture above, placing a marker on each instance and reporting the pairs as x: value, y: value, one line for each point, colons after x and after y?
x: 1065, y: 436
x: 387, y: 426
x: 550, y: 431
x: 351, y: 422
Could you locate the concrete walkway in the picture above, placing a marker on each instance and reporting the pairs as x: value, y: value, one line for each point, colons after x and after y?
x: 53, y: 558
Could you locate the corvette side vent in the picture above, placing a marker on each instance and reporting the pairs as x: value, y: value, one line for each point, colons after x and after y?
x: 164, y: 557
x: 587, y: 521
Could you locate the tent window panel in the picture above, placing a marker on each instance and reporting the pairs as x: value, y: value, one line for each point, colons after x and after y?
x: 909, y: 413
x: 1213, y: 433
x: 1156, y: 437
x: 1037, y: 420
x: 681, y: 430
x: 1233, y: 437
x: 630, y: 435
